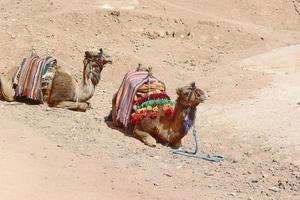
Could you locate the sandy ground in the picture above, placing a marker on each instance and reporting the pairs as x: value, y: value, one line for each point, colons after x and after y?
x: 244, y: 54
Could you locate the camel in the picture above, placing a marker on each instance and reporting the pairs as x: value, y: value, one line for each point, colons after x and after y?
x: 64, y: 91
x: 167, y: 129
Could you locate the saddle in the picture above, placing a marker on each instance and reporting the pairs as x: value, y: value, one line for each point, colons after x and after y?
x: 34, y: 77
x: 139, y: 88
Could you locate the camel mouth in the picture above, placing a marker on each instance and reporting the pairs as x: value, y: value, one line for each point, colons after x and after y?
x: 108, y: 60
x: 203, y: 97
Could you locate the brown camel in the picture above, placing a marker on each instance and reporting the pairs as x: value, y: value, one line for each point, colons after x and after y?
x: 64, y: 92
x: 168, y: 129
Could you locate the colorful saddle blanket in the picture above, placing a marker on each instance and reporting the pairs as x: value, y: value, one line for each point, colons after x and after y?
x: 133, y: 85
x: 33, y: 75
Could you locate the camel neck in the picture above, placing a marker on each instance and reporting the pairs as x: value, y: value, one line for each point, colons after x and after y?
x: 179, y: 118
x: 86, y: 90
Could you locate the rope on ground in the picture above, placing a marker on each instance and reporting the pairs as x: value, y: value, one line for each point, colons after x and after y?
x: 192, y: 154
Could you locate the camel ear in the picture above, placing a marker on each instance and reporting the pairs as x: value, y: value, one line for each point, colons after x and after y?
x: 178, y: 91
x: 193, y: 85
x: 87, y: 54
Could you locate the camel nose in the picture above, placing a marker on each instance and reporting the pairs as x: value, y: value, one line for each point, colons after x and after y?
x: 108, y: 59
x: 203, y: 97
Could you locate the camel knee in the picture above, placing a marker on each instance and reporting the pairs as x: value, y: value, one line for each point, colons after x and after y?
x: 6, y: 90
x: 144, y: 137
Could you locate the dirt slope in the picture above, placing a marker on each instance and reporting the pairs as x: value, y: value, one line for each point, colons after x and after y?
x: 245, y: 54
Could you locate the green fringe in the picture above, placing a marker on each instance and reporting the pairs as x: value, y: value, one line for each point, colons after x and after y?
x: 155, y: 102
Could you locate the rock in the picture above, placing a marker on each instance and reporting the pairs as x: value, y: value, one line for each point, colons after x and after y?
x: 233, y: 194
x: 13, y: 37
x: 274, y: 189
x: 298, y: 103
x: 48, y: 109
x: 115, y: 13
x: 155, y: 184
x: 168, y: 175
x: 208, y: 173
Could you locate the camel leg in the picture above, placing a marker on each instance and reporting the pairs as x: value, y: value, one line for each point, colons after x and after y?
x: 6, y: 90
x: 145, y: 137
x: 172, y: 139
x: 115, y: 122
x: 79, y: 106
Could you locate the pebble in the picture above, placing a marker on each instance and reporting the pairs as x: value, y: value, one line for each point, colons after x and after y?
x: 168, y: 175
x: 208, y: 173
x: 274, y: 189
x: 115, y: 13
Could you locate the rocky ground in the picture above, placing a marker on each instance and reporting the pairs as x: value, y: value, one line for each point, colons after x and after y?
x: 244, y: 54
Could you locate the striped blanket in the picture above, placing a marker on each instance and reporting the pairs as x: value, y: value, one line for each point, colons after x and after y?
x: 28, y: 79
x: 126, y: 93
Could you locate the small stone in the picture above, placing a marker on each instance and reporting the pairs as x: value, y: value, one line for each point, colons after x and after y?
x: 208, y: 173
x: 48, y: 109
x: 115, y: 13
x: 298, y: 103
x: 179, y: 167
x: 233, y: 194
x: 59, y: 145
x: 13, y: 37
x: 274, y: 189
x: 168, y: 175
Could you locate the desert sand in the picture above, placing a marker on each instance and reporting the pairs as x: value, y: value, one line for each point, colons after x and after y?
x: 244, y: 54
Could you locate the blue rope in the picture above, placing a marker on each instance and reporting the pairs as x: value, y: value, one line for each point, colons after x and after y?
x: 192, y: 154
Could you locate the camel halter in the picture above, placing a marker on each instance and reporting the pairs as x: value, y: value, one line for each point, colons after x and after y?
x: 187, y: 124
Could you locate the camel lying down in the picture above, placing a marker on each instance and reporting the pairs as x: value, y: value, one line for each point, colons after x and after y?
x: 64, y: 91
x: 164, y: 123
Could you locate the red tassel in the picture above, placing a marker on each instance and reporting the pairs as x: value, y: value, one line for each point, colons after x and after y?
x: 154, y: 115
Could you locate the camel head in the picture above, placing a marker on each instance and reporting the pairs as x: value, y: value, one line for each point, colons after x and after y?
x: 94, y: 62
x: 190, y: 96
